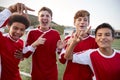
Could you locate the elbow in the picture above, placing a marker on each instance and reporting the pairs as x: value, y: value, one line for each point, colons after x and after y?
x: 66, y: 56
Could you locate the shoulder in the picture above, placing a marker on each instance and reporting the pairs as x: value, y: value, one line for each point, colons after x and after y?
x: 92, y: 36
x: 117, y: 51
x: 86, y: 52
x: 33, y: 31
x: 54, y: 31
x: 20, y: 41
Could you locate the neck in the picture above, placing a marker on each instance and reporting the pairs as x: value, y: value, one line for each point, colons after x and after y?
x: 106, y: 51
x: 85, y: 35
x: 44, y: 28
x: 11, y: 38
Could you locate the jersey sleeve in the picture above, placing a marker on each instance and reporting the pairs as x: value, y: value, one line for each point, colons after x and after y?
x: 4, y: 15
x: 28, y: 50
x: 61, y: 56
x: 82, y: 57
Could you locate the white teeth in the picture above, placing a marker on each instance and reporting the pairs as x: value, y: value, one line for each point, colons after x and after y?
x: 44, y: 20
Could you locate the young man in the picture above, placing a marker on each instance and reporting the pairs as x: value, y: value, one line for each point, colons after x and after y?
x: 104, y: 61
x: 76, y: 71
x: 9, y: 43
x: 42, y: 43
x: 5, y: 14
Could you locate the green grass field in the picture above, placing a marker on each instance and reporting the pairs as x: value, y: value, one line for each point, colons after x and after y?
x: 25, y: 65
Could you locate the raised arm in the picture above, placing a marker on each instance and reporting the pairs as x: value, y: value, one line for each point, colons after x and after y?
x: 70, y: 47
x: 18, y: 7
x: 78, y: 36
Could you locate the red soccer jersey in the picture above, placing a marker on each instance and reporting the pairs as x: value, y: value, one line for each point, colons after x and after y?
x: 104, y: 67
x: 44, y: 65
x: 10, y: 69
x: 76, y: 71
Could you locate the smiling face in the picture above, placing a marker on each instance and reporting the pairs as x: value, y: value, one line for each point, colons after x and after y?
x: 44, y: 19
x: 16, y: 30
x: 81, y: 20
x: 81, y: 23
x: 104, y: 38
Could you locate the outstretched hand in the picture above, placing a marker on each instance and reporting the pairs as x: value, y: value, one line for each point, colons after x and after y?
x: 79, y: 35
x: 20, y: 8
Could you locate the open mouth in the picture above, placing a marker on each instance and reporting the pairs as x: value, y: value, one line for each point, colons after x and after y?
x: 44, y: 22
x: 16, y: 36
x: 82, y: 27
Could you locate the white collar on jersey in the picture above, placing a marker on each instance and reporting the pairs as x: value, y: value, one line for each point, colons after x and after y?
x: 8, y: 35
x: 105, y: 55
x: 44, y: 31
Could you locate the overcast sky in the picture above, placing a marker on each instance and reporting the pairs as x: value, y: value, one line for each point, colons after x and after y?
x: 64, y: 10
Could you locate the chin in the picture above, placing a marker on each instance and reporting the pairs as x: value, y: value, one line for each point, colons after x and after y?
x: 16, y: 38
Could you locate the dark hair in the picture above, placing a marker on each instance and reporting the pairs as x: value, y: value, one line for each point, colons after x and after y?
x: 105, y: 25
x: 82, y: 13
x: 46, y: 9
x: 18, y: 18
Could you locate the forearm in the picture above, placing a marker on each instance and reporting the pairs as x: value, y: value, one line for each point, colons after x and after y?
x: 69, y: 51
x: 27, y: 51
x: 28, y: 48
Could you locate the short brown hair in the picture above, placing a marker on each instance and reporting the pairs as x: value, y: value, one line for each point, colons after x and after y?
x: 82, y: 13
x: 46, y: 9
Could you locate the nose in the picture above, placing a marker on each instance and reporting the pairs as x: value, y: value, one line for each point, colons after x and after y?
x: 82, y: 21
x: 18, y: 31
x: 103, y: 36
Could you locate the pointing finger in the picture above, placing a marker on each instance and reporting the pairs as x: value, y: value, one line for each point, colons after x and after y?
x: 88, y: 29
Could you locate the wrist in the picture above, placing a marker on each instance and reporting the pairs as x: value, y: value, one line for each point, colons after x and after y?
x: 34, y: 45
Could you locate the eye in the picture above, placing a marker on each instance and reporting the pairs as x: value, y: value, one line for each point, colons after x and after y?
x: 85, y: 19
x: 41, y: 15
x: 107, y: 34
x: 22, y: 29
x: 47, y: 16
x: 79, y: 19
x: 15, y: 27
x: 99, y: 34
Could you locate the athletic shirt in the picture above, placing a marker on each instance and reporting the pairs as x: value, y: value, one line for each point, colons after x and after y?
x: 104, y: 67
x: 10, y: 69
x: 44, y: 58
x: 76, y: 71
